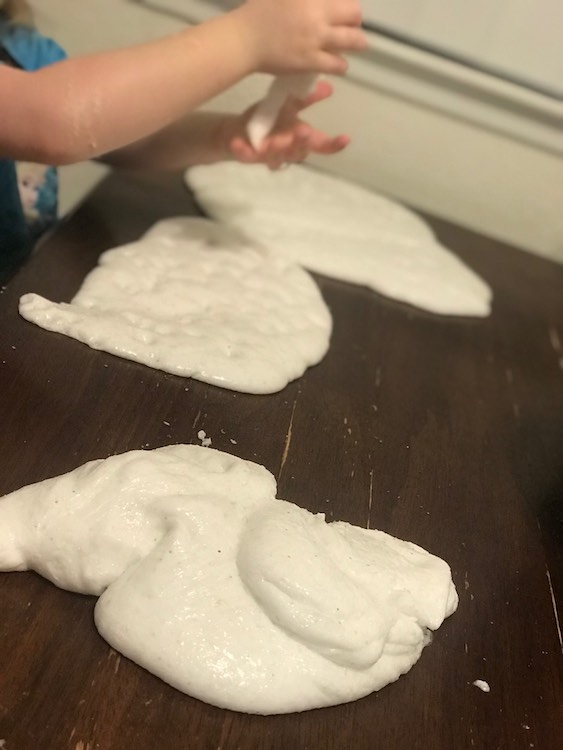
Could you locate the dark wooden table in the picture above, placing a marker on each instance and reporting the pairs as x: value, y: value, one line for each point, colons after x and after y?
x: 445, y: 432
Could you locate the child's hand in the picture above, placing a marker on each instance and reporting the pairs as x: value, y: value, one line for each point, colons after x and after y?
x: 291, y: 140
x: 289, y: 36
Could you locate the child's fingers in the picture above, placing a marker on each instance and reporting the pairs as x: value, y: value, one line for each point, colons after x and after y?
x: 320, y: 143
x: 243, y: 151
x: 288, y: 116
x: 347, y: 13
x: 323, y: 90
x: 299, y: 149
x: 331, y: 63
x: 292, y: 140
x: 277, y: 149
x: 287, y: 149
x: 345, y: 39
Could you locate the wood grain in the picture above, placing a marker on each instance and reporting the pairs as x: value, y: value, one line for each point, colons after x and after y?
x: 445, y: 432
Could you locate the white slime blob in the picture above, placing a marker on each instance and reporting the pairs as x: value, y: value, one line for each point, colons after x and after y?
x: 229, y: 594
x: 341, y: 230
x: 202, y: 305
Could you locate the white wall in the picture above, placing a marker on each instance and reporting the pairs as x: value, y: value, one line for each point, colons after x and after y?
x: 521, y: 37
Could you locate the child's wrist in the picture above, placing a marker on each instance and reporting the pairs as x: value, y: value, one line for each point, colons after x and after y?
x: 245, y: 33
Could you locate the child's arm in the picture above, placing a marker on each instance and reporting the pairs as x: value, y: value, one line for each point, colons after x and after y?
x: 207, y: 137
x: 82, y: 108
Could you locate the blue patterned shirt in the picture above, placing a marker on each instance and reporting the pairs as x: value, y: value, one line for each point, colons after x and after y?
x: 28, y: 192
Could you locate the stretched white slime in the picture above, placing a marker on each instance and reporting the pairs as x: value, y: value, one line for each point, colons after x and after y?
x: 267, y: 111
x: 341, y: 230
x: 201, y: 303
